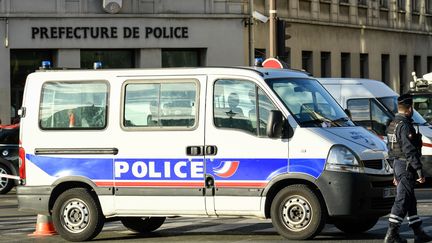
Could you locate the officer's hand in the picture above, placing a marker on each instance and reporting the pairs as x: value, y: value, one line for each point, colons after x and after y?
x: 395, y: 182
x: 421, y: 180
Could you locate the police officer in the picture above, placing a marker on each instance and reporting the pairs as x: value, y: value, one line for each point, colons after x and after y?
x: 404, y: 145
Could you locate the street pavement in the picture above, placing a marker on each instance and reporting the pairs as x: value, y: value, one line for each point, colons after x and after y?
x: 15, y: 226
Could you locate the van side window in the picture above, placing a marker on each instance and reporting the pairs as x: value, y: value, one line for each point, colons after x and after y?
x: 369, y: 114
x: 157, y: 105
x: 73, y: 105
x: 235, y: 106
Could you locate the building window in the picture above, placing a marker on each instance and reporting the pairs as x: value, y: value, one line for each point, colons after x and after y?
x: 428, y: 6
x: 402, y: 73
x: 383, y: 3
x: 401, y: 5
x: 429, y: 64
x: 22, y: 63
x: 362, y: 3
x: 345, y: 65
x: 344, y: 1
x: 415, y: 6
x: 385, y: 68
x: 307, y: 61
x: 182, y: 58
x: 364, y: 65
x: 417, y: 65
x: 108, y: 57
x: 73, y: 105
x: 161, y: 104
x: 325, y: 64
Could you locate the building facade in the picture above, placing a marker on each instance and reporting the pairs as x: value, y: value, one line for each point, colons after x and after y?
x: 131, y: 34
x: 379, y: 39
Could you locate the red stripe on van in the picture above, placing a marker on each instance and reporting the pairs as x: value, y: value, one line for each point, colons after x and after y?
x: 241, y: 184
x: 151, y: 184
x: 427, y: 145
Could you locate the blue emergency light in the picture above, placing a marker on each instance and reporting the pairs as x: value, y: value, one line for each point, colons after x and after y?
x: 97, y: 65
x: 46, y: 64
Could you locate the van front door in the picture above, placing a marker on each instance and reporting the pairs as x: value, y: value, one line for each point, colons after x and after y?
x: 160, y: 166
x: 240, y: 159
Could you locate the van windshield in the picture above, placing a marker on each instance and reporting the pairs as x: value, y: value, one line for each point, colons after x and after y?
x: 309, y: 102
x: 391, y: 104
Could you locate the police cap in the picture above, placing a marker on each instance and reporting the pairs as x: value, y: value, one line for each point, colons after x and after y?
x: 405, y: 99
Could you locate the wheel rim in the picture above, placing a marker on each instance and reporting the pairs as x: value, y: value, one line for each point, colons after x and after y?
x: 296, y: 213
x: 75, y: 215
x: 3, y: 181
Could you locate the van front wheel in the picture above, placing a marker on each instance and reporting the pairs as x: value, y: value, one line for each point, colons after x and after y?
x: 77, y: 216
x: 142, y: 225
x: 297, y: 213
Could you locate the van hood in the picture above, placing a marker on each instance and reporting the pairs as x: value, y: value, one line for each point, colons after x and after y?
x: 358, y: 135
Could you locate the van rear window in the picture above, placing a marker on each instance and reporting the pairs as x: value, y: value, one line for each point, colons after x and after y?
x: 73, y: 105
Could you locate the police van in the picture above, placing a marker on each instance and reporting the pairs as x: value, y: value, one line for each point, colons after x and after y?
x: 143, y: 145
x: 373, y: 104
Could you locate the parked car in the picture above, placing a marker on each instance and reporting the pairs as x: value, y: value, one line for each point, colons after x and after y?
x: 9, y: 136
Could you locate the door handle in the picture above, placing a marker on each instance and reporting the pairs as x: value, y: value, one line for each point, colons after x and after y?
x: 211, y: 150
x: 195, y: 150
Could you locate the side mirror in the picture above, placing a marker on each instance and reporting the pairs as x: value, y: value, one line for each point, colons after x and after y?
x: 348, y: 112
x: 277, y: 126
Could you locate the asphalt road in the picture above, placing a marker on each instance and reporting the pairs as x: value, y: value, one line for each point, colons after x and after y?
x: 16, y: 226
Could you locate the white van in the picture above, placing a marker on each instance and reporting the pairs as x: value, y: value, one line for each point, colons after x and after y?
x: 142, y: 145
x: 373, y: 104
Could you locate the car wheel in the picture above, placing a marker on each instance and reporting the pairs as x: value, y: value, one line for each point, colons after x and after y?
x: 355, y: 226
x: 5, y: 183
x: 142, y: 225
x: 297, y: 213
x: 77, y: 216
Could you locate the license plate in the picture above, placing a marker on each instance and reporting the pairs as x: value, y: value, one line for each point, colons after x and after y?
x: 389, y: 192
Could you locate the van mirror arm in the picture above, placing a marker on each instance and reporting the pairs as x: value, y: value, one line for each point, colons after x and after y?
x: 277, y: 126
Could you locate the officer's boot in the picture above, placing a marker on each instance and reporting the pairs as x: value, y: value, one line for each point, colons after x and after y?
x: 420, y: 235
x: 392, y: 235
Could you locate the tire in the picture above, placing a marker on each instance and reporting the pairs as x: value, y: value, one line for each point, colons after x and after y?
x: 77, y: 216
x: 355, y: 226
x: 5, y: 183
x: 297, y: 213
x: 142, y: 225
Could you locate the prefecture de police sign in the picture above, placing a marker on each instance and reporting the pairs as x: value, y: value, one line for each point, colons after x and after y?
x: 113, y: 32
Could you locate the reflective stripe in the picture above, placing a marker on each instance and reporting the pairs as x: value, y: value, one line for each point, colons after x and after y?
x: 396, y: 217
x: 415, y: 221
x: 394, y: 221
x: 413, y: 217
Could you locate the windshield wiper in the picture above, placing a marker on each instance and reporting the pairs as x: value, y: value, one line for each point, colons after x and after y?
x: 341, y: 119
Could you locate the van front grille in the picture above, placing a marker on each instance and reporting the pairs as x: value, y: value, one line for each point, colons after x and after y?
x: 382, y: 203
x: 373, y: 164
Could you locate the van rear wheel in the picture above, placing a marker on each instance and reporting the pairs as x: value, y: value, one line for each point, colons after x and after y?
x: 297, y: 213
x: 142, y: 225
x: 5, y: 183
x: 77, y: 216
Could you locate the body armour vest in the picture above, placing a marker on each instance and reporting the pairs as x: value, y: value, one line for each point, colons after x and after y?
x: 393, y: 143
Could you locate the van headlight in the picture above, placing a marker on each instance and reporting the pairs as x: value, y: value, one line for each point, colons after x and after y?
x: 341, y: 158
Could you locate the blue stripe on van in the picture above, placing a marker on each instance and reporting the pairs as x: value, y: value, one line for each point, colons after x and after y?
x: 223, y: 169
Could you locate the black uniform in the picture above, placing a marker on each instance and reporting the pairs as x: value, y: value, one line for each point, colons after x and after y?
x: 404, y: 145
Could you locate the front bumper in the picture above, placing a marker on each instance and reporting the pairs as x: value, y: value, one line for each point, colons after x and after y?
x: 34, y: 199
x: 427, y: 165
x: 355, y: 195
